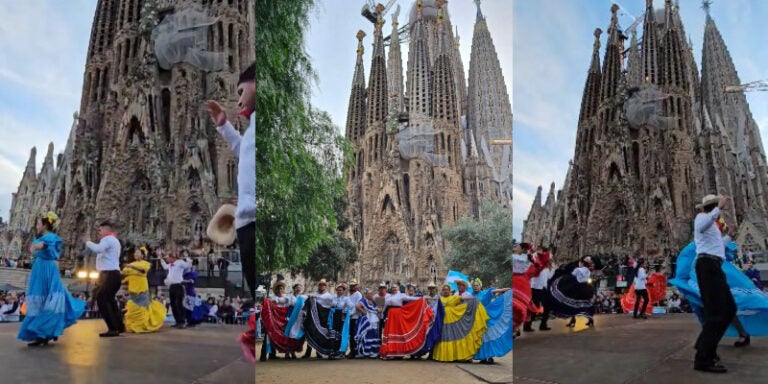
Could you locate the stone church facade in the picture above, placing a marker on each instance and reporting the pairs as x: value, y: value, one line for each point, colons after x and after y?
x: 424, y: 155
x: 653, y: 137
x: 142, y: 152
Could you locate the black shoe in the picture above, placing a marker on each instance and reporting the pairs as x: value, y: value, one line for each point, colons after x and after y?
x: 742, y: 343
x: 306, y: 356
x: 109, y: 334
x: 711, y: 368
x: 55, y: 338
x: 528, y: 329
x: 591, y: 323
x: 263, y: 358
x: 38, y: 343
x: 544, y: 328
x: 643, y: 316
x: 486, y: 361
x: 571, y: 324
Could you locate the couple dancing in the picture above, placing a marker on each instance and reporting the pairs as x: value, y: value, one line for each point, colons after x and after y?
x: 51, y: 308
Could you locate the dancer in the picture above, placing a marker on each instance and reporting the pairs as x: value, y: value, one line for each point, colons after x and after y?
x: 719, y: 307
x: 326, y: 329
x: 406, y: 326
x: 175, y: 281
x: 274, y: 315
x: 464, y: 325
x: 641, y: 276
x: 570, y: 294
x: 142, y: 313
x: 367, y: 339
x: 497, y: 340
x: 108, y: 264
x: 352, y: 300
x: 49, y: 307
x: 193, y: 305
x: 540, y: 273
x: 521, y: 285
x: 244, y: 149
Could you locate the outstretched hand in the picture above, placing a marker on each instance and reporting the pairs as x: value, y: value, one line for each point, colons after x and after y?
x: 218, y: 116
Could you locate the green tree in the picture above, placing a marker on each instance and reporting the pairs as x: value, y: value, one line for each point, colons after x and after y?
x: 298, y: 150
x: 336, y: 253
x: 483, y: 248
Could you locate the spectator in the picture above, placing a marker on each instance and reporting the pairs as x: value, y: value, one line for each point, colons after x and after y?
x: 223, y: 267
x: 226, y: 312
x: 674, y: 304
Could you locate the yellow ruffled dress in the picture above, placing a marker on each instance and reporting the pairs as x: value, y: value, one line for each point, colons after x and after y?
x: 143, y: 314
x: 455, y: 324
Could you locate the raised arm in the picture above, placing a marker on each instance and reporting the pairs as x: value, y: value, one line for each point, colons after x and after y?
x: 710, y: 219
x: 99, y: 247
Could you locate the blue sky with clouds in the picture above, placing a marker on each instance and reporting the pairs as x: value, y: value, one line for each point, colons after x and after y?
x: 43, y: 44
x: 553, y: 46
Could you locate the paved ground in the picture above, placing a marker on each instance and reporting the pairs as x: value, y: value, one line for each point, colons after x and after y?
x: 207, y: 354
x: 376, y: 371
x: 627, y: 351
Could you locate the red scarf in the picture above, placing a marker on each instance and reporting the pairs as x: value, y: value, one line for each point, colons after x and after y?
x: 110, y: 234
x: 246, y: 113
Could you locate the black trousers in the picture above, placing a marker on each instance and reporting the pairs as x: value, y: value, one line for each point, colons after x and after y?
x: 176, y: 292
x: 246, y: 239
x: 352, y: 342
x: 719, y: 308
x: 106, y: 289
x: 641, y: 294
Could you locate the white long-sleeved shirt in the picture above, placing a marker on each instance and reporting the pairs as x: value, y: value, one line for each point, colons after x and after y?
x: 107, y: 253
x: 282, y: 301
x: 707, y: 235
x: 582, y: 274
x: 540, y: 281
x: 175, y: 271
x: 352, y: 301
x: 520, y: 263
x: 244, y: 149
x: 641, y: 278
x: 324, y: 299
x: 398, y: 299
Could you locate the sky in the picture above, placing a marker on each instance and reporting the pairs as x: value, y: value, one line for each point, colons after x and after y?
x: 43, y: 45
x: 553, y: 47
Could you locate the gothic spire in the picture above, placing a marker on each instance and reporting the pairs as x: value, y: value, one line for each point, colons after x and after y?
x: 395, y: 64
x: 419, y: 71
x: 444, y: 82
x: 634, y: 63
x: 29, y: 171
x: 458, y: 70
x: 673, y: 61
x: 591, y: 96
x: 376, y: 105
x: 612, y: 61
x: 650, y: 46
x: 356, y: 109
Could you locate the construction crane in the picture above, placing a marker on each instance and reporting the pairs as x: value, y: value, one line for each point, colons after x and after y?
x: 369, y: 12
x: 760, y: 85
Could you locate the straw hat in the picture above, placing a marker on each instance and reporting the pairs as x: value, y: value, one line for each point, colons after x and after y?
x: 278, y: 284
x: 221, y: 229
x: 382, y: 285
x: 709, y: 199
x: 322, y: 282
x: 431, y: 285
x: 353, y: 282
x: 461, y: 281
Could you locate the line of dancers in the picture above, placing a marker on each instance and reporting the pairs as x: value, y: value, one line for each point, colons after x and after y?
x: 466, y: 325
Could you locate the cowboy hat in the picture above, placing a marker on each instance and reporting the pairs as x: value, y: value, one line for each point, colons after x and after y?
x: 341, y: 285
x: 461, y: 281
x: 277, y: 284
x: 709, y: 199
x: 353, y: 282
x: 382, y: 285
x: 431, y: 285
x: 221, y: 228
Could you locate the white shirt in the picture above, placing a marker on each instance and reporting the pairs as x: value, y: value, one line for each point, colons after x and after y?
x: 520, y: 263
x: 397, y: 299
x: 107, y: 253
x: 465, y: 295
x: 582, y: 274
x: 244, y: 149
x: 707, y: 235
x: 324, y: 299
x: 175, y: 271
x: 352, y: 301
x: 214, y: 310
x: 641, y: 279
x: 540, y: 281
x: 674, y: 303
x: 282, y: 301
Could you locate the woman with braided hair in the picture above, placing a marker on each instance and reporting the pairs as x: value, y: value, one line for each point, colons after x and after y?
x: 142, y: 313
x: 50, y: 308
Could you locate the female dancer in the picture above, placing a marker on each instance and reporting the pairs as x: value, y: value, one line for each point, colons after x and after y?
x: 570, y: 293
x: 274, y: 314
x: 367, y: 333
x: 49, y: 307
x: 497, y: 340
x: 641, y: 277
x: 464, y: 325
x: 142, y: 313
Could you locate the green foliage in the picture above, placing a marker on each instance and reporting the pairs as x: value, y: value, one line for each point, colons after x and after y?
x: 482, y: 248
x: 298, y: 151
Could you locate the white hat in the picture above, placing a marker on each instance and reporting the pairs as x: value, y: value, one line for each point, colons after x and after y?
x: 221, y: 229
x: 709, y: 199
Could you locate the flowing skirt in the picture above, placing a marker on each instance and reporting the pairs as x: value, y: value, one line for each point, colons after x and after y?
x: 567, y: 297
x: 247, y: 339
x: 326, y: 329
x: 462, y: 333
x: 143, y: 314
x: 521, y: 303
x: 275, y: 320
x: 657, y: 291
x: 49, y: 307
x: 367, y: 336
x: 497, y: 340
x: 433, y: 337
x: 406, y: 329
x: 751, y: 303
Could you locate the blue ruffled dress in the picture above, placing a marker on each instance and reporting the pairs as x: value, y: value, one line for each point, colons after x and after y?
x: 497, y: 340
x: 751, y: 303
x: 50, y: 307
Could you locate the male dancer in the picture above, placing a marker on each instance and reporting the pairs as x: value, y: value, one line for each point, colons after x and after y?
x: 108, y: 264
x: 175, y: 281
x: 354, y: 297
x: 244, y: 148
x: 719, y: 306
